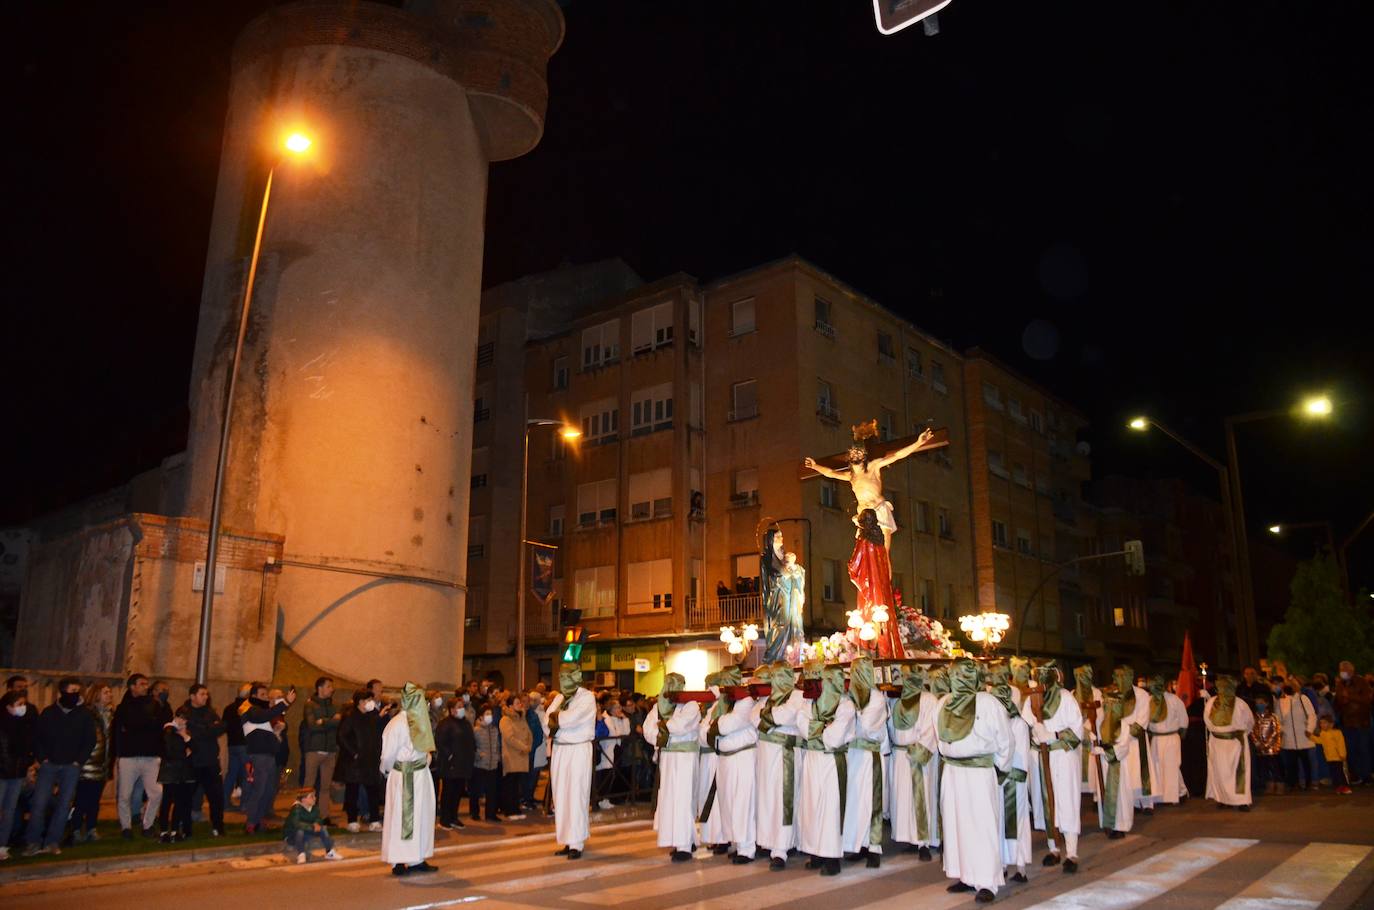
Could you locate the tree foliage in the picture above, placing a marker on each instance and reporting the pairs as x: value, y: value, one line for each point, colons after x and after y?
x: 1319, y: 629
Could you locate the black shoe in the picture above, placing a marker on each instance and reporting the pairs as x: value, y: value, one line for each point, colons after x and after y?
x: 739, y: 860
x: 959, y: 888
x: 720, y: 849
x: 1070, y: 866
x: 1051, y: 859
x: 1116, y: 835
x: 681, y: 856
x: 777, y: 864
x: 854, y: 857
x: 911, y: 848
x: 165, y: 837
x: 815, y: 862
x: 399, y: 869
x: 1245, y: 808
x: 984, y: 896
x: 831, y: 867
x: 126, y: 833
x: 874, y: 860
x: 923, y: 854
x: 564, y: 852
x: 1146, y: 811
x: 149, y: 833
x: 423, y: 866
x: 574, y: 854
x: 1020, y: 878
x: 1221, y: 805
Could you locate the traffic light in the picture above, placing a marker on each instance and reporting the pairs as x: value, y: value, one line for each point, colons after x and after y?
x: 573, y: 640
x: 1135, y: 557
x: 567, y: 616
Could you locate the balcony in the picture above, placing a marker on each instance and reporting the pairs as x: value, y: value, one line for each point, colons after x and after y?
x: 744, y: 412
x: 825, y: 329
x: 710, y: 613
x: 744, y: 499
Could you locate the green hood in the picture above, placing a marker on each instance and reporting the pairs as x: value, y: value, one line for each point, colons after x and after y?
x: 569, y: 681
x: 1000, y: 679
x: 417, y: 717
x: 957, y: 713
x: 1159, y: 708
x: 1083, y: 684
x: 861, y: 680
x: 1124, y: 677
x: 938, y: 680
x: 1225, y: 702
x: 908, y: 708
x: 1047, y: 678
x: 823, y: 708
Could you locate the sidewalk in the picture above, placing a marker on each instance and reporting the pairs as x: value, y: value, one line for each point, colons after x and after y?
x: 111, y: 853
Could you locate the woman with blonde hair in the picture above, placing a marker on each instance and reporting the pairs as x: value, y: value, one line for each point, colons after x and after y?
x: 95, y: 770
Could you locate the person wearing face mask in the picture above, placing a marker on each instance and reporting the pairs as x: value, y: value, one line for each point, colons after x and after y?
x: 516, y: 742
x: 455, y: 748
x: 16, y: 757
x: 360, y: 754
x: 486, y: 766
x: 1353, y: 708
x: 539, y: 755
x: 1297, y: 719
x: 136, y: 741
x: 95, y: 770
x: 177, y: 777
x: 234, y: 774
x: 64, y: 737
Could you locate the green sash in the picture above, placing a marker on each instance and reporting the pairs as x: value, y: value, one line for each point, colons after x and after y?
x: 408, y: 769
x: 970, y: 761
x: 684, y: 747
x: 1111, y: 788
x: 875, y: 821
x: 788, y: 744
x: 1240, y: 766
x: 918, y: 756
x: 1009, y: 817
x: 1143, y: 750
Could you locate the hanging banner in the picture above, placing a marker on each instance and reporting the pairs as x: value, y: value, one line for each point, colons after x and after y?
x: 541, y: 582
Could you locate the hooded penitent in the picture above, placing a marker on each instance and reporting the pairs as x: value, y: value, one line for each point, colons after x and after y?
x: 908, y: 708
x: 957, y: 713
x: 939, y: 681
x: 1225, y: 702
x: 1047, y: 678
x: 1159, y: 709
x: 861, y: 681
x: 1000, y: 679
x: 417, y: 717
x: 824, y: 707
x: 673, y: 682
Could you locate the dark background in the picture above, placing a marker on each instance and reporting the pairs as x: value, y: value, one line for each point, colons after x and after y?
x: 1162, y: 209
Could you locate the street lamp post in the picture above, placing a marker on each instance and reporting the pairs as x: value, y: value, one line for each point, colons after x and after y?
x: 567, y: 432
x: 297, y: 144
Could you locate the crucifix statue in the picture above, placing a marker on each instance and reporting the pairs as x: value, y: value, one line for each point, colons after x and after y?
x: 862, y: 466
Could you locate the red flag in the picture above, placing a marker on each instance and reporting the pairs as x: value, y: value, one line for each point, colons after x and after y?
x: 1188, y: 687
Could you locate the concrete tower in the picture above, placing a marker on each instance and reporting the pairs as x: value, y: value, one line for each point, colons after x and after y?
x: 353, y: 412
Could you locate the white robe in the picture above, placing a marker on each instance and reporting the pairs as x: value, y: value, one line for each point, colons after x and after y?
x: 971, y: 799
x: 1120, y: 750
x: 1166, y: 742
x: 869, y: 724
x: 1066, y: 766
x: 397, y: 747
x: 708, y: 766
x: 1016, y: 851
x: 1090, y: 769
x: 735, y: 775
x: 570, y: 767
x: 772, y: 834
x: 818, y: 810
x: 1132, y: 767
x: 1224, y: 754
x: 905, y: 828
x: 675, y: 815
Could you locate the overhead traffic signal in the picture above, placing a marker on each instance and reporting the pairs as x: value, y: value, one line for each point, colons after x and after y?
x: 573, y: 639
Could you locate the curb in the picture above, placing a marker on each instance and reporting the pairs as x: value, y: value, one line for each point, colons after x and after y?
x: 209, y: 854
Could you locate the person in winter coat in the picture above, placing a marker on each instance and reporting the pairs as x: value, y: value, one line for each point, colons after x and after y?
x: 205, y: 726
x: 360, y: 752
x: 320, y: 746
x: 136, y: 742
x: 303, y: 823
x: 261, y: 715
x: 16, y: 757
x: 235, y: 774
x: 516, y: 743
x: 455, y: 747
x: 65, y: 737
x: 95, y: 771
x: 486, y: 769
x: 177, y: 778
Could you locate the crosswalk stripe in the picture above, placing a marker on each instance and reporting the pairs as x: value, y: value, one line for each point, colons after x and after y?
x: 1149, y: 878
x: 1302, y: 881
x: 580, y: 871
x: 480, y: 872
x: 680, y: 879
x: 798, y: 887
x: 930, y: 897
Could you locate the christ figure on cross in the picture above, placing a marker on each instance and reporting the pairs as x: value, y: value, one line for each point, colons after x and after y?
x: 865, y: 476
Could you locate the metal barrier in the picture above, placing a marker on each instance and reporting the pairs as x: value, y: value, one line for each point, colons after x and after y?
x: 632, y: 777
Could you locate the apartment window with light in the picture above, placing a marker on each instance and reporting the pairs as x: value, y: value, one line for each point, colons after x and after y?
x: 556, y: 519
x: 914, y: 366
x: 651, y: 409
x: 594, y: 591
x: 747, y: 568
x: 742, y: 317
x: 651, y: 494
x: 830, y: 494
x: 992, y: 396
x: 999, y: 533
x: 596, y: 503
x: 651, y: 328
x: 561, y: 374
x: 601, y: 344
x: 600, y: 421
x: 746, y: 487
x: 649, y: 586
x: 744, y: 402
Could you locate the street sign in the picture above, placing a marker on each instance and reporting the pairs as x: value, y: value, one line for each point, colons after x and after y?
x: 895, y: 15
x: 641, y: 665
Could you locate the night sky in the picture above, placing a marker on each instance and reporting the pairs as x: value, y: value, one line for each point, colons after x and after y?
x: 1162, y: 209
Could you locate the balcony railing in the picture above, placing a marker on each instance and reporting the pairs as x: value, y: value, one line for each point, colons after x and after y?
x: 825, y: 328
x: 744, y: 412
x: 710, y: 613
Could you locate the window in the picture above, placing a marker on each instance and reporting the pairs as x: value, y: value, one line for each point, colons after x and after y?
x: 923, y: 517
x: 649, y: 586
x: 651, y: 328
x: 927, y: 596
x: 886, y: 353
x: 995, y: 464
x: 651, y: 409
x: 1036, y: 422
x: 825, y: 401
x: 651, y: 494
x: 694, y: 321
x: 601, y: 344
x: 744, y: 400
x: 1118, y: 617
x: 999, y: 534
x: 596, y: 503
x: 937, y: 376
x: 824, y: 323
x: 594, y: 591
x: 1018, y: 474
x: 477, y: 536
x: 830, y: 576
x: 946, y: 525
x: 742, y: 317
x: 830, y: 493
x: 479, y: 467
x: 746, y: 487
x: 949, y: 607
x: 558, y: 447
x: 993, y: 396
x: 600, y: 421
x: 1023, y: 542
x: 1014, y: 409
x: 747, y: 573
x: 914, y: 367
x: 560, y: 373
x: 486, y: 353
x: 556, y: 519
x: 481, y: 404
x: 886, y: 421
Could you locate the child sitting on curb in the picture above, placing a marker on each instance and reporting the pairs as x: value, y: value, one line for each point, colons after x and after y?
x: 303, y: 823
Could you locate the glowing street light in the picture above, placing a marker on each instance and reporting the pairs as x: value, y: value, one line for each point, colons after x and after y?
x: 299, y: 143
x: 568, y: 432
x: 986, y: 628
x: 1276, y: 529
x: 1319, y: 406
x: 1139, y: 423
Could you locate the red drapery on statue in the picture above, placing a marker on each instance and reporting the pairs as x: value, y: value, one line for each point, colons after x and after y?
x: 871, y: 573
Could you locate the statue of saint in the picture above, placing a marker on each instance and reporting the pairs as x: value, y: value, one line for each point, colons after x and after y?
x: 794, y: 599
x: 773, y: 587
x: 865, y: 475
